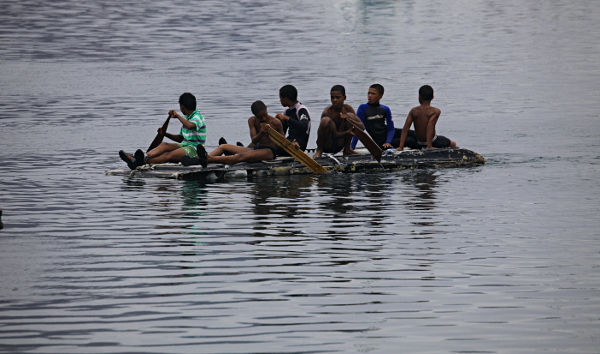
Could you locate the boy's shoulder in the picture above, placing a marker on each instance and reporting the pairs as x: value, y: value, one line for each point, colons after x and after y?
x: 273, y: 121
x: 194, y: 114
x: 423, y: 111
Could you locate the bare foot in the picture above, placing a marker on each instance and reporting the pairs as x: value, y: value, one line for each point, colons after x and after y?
x: 350, y: 152
x: 318, y: 153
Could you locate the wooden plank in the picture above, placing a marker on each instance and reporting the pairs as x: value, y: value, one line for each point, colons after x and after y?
x: 299, y: 155
x: 367, y: 141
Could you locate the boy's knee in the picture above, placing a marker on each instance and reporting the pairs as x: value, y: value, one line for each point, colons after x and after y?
x: 325, y: 122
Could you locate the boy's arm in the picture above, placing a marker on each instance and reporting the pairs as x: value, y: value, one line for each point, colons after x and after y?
x: 431, y: 128
x: 391, y: 130
x: 186, y: 123
x: 353, y: 119
x: 255, y: 135
x: 405, y: 129
x: 276, y: 124
x: 302, y: 122
x: 361, y: 116
x: 175, y: 137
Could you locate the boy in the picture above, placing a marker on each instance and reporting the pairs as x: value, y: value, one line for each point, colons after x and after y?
x: 296, y: 118
x: 376, y: 118
x: 424, y: 118
x: 334, y: 134
x: 191, y: 135
x: 263, y: 148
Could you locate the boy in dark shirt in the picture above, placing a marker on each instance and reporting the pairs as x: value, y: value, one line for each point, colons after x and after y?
x: 425, y: 118
x: 295, y: 119
x: 377, y: 119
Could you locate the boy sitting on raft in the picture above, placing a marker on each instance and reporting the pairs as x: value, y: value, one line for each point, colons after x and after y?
x: 335, y: 129
x: 192, y: 134
x: 262, y: 149
x: 377, y: 119
x: 425, y: 118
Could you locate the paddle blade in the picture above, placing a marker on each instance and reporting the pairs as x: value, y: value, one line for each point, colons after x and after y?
x: 297, y: 154
x: 159, y: 136
x: 368, y: 142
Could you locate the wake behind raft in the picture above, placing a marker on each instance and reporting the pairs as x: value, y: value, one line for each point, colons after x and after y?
x: 391, y: 160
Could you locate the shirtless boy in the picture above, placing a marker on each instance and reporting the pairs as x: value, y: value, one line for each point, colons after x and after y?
x: 262, y: 149
x: 425, y: 118
x: 192, y: 134
x: 335, y: 130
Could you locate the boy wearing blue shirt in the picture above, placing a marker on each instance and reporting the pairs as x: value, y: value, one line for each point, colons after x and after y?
x: 377, y: 119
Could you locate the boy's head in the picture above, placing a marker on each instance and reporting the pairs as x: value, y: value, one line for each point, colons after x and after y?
x: 377, y: 87
x: 288, y: 94
x: 258, y: 107
x: 188, y: 101
x: 338, y: 96
x: 426, y: 93
x: 375, y: 93
x: 339, y: 88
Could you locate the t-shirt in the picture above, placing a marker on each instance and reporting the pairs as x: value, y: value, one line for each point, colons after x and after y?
x: 377, y: 119
x: 196, y: 136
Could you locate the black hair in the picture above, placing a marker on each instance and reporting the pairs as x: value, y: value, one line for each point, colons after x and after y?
x: 257, y: 107
x: 426, y: 92
x: 377, y: 87
x: 290, y: 92
x: 339, y: 88
x: 188, y: 101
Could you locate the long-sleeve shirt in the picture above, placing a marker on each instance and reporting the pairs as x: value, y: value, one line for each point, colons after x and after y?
x: 377, y: 119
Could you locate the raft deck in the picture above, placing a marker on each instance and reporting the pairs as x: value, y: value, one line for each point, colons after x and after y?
x: 392, y: 160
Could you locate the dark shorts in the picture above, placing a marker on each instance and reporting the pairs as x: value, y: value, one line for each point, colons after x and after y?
x: 273, y: 150
x: 439, y: 141
x: 411, y: 139
x: 333, y: 149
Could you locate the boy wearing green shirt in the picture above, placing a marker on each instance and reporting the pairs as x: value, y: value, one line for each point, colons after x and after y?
x: 192, y: 134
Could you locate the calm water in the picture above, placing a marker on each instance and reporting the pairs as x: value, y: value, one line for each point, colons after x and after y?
x: 502, y: 258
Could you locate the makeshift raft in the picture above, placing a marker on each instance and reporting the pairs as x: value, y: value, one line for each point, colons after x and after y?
x: 391, y: 160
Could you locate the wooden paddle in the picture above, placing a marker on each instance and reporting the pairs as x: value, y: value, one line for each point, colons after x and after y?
x: 367, y: 141
x: 160, y: 136
x: 299, y: 155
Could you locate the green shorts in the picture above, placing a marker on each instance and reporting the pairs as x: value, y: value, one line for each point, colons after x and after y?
x: 189, y: 150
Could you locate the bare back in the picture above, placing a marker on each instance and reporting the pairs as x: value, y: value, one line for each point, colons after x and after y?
x: 424, y: 118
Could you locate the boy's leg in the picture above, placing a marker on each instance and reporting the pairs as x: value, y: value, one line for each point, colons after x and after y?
x: 246, y: 156
x: 410, y: 142
x: 161, y: 149
x: 227, y: 148
x: 443, y: 142
x: 345, y: 140
x: 168, y: 156
x: 325, y: 135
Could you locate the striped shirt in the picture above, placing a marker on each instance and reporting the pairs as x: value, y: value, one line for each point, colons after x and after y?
x: 196, y: 136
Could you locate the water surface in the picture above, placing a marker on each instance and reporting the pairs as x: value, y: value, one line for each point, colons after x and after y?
x: 501, y: 258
